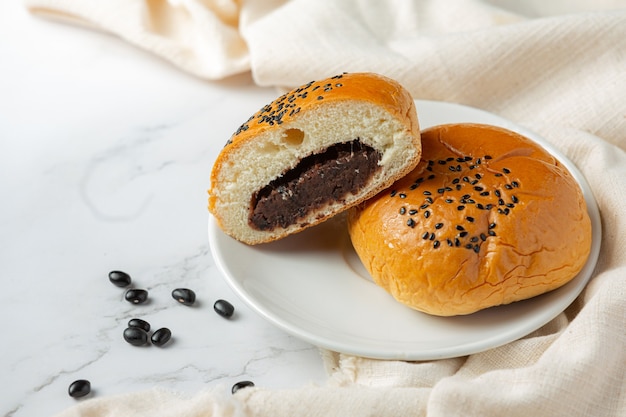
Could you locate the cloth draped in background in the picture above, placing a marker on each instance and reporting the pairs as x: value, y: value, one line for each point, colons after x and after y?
x: 558, y: 68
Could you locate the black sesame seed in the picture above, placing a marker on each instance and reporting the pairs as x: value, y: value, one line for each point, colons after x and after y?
x: 484, y: 193
x: 424, y: 206
x: 500, y: 202
x: 412, y: 212
x: 488, y: 206
x: 427, y: 192
x: 458, y: 187
x: 402, y: 210
x: 455, y: 181
x: 491, y: 233
x: 431, y: 176
x: 477, y: 188
x: 442, y: 162
x: 507, y: 211
x: 508, y: 186
x: 468, y: 158
x: 224, y: 308
x: 470, y: 219
x: 492, y: 226
x: 515, y: 184
x: 79, y: 388
x: 510, y: 205
x: 459, y: 227
x: 438, y: 225
x: 436, y: 244
x: 474, y: 239
x: 480, y: 206
x: 425, y: 235
x: 450, y: 243
x: 441, y: 190
x: 476, y: 248
x: 466, y: 179
x: 402, y: 195
x: 506, y: 170
x: 469, y: 246
x: 487, y: 157
x: 393, y: 193
x: 478, y: 176
x: 320, y: 97
x: 431, y: 163
x: 429, y: 200
x: 463, y: 233
x: 413, y: 186
x: 460, y: 159
x: 514, y: 199
x: 483, y: 237
x: 427, y: 214
x: 449, y: 200
x: 460, y: 208
x: 465, y: 196
x: 410, y: 223
x: 498, y: 175
x: 431, y: 237
x: 457, y: 242
x: 452, y: 168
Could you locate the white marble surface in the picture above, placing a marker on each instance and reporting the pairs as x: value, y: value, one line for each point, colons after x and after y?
x: 105, y: 154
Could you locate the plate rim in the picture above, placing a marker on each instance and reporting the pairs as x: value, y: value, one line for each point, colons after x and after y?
x: 456, y: 350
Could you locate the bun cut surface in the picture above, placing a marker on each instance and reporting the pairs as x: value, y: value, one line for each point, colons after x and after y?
x: 313, y: 153
x: 487, y: 218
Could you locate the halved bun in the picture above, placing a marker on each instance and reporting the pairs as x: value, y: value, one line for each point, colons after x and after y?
x: 487, y: 218
x: 312, y: 153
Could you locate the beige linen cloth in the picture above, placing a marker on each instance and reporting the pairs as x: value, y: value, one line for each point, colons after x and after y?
x: 556, y: 67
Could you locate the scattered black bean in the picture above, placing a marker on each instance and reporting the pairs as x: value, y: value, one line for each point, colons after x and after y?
x: 224, y: 308
x: 240, y: 385
x: 136, y: 296
x: 161, y: 336
x: 184, y: 296
x: 139, y: 323
x: 119, y: 278
x: 79, y: 388
x: 135, y: 336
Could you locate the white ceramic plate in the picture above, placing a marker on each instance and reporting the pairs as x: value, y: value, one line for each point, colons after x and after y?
x: 313, y: 285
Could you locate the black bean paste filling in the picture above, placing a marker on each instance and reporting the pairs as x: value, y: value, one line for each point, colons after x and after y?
x: 316, y: 181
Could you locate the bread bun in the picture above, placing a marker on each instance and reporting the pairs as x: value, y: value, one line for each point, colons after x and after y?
x: 488, y: 217
x: 312, y: 153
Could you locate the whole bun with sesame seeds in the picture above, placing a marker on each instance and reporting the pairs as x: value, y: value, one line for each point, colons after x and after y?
x: 487, y: 218
x: 313, y: 153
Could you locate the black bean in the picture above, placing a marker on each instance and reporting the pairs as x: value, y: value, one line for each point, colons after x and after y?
x: 79, y: 388
x: 119, y: 278
x: 161, y: 336
x: 240, y: 385
x: 184, y: 296
x: 136, y: 296
x: 142, y: 324
x: 135, y: 336
x: 224, y: 308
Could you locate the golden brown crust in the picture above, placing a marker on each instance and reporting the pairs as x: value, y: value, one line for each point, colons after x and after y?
x: 487, y: 218
x: 287, y: 111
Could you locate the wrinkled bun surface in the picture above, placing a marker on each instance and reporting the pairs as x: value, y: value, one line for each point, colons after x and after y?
x: 488, y: 217
x: 312, y: 153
